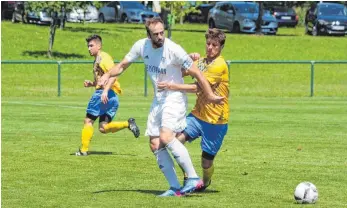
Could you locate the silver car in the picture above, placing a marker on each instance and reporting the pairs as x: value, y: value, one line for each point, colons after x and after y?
x: 125, y: 11
x: 77, y: 14
x: 240, y: 17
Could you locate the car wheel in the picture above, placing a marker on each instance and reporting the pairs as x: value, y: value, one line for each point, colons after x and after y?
x: 101, y: 18
x: 124, y: 18
x: 24, y: 19
x: 306, y: 29
x: 211, y: 24
x: 14, y: 20
x: 236, y: 28
x: 315, y: 30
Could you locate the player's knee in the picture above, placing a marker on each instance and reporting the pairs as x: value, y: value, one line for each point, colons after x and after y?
x: 206, y: 160
x: 102, y: 130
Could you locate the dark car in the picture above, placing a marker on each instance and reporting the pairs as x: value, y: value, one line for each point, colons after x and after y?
x: 285, y: 16
x: 7, y: 8
x: 21, y: 13
x: 326, y: 18
x: 201, y: 15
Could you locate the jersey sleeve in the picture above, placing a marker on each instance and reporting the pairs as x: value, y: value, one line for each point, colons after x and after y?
x: 182, y: 58
x: 135, y: 51
x: 106, y: 63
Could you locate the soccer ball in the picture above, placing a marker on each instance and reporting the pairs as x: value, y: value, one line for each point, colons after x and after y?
x: 306, y: 193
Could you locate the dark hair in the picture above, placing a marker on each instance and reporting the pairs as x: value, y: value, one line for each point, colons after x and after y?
x: 153, y: 20
x: 94, y: 37
x: 215, y: 34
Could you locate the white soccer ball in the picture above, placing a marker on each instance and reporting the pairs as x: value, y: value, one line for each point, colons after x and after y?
x: 306, y: 193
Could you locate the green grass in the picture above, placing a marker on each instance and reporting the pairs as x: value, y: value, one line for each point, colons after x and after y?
x: 277, y: 138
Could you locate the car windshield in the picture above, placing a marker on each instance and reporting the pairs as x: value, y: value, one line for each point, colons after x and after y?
x: 333, y: 10
x: 284, y: 10
x: 132, y: 5
x: 247, y: 8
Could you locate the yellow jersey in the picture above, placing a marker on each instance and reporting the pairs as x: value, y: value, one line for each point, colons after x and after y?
x: 102, y: 64
x: 217, y: 75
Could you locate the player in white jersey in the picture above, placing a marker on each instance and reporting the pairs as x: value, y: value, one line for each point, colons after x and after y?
x: 164, y: 60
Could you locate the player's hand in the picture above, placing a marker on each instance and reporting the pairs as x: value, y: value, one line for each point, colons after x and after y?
x: 88, y: 83
x: 216, y: 99
x: 163, y: 86
x: 104, y: 97
x: 103, y: 80
x: 194, y: 56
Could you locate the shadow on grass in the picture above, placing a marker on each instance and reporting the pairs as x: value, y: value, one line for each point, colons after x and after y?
x: 155, y: 192
x: 105, y: 153
x: 90, y: 30
x: 55, y: 54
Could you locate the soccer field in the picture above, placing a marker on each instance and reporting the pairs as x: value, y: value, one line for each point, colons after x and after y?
x: 278, y: 136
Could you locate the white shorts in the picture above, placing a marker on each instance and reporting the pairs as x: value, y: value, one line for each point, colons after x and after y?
x: 171, y: 115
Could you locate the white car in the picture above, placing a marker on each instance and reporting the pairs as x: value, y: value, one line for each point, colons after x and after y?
x: 77, y: 15
x: 125, y: 11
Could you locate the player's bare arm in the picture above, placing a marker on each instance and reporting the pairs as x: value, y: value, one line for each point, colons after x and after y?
x: 190, y: 88
x: 104, y: 95
x: 116, y: 70
x: 205, y: 86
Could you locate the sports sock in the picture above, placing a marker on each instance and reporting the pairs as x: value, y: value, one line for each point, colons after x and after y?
x: 207, y: 174
x: 166, y: 165
x: 116, y: 126
x: 180, y: 153
x: 87, y: 134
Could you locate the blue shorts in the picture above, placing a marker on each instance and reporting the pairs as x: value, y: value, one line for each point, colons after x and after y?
x: 212, y: 135
x: 97, y: 108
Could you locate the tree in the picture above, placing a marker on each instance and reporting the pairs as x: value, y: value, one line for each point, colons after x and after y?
x: 259, y: 19
x: 179, y: 8
x: 57, y: 11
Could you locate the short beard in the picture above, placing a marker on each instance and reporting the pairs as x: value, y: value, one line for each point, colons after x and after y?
x: 158, y: 44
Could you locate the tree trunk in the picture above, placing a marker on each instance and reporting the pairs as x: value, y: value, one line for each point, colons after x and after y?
x: 52, y: 29
x: 260, y: 18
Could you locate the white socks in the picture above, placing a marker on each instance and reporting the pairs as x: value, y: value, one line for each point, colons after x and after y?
x: 166, y: 165
x: 180, y: 153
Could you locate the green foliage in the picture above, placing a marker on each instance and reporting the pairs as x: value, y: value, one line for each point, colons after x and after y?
x: 99, y: 4
x: 178, y: 8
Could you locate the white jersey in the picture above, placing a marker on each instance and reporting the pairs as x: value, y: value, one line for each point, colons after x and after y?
x: 162, y: 64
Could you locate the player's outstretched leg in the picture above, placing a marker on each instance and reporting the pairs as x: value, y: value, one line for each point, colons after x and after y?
x: 133, y: 127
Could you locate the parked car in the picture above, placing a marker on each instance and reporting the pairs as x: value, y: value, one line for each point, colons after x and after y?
x: 125, y: 11
x: 78, y: 15
x: 326, y: 18
x: 7, y: 8
x: 285, y: 16
x: 240, y: 17
x: 201, y: 16
x: 20, y: 15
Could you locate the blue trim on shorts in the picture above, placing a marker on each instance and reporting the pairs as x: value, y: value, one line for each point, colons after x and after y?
x: 97, y: 108
x: 212, y: 135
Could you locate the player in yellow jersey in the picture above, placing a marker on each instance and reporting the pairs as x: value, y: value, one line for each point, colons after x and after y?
x: 104, y: 102
x: 207, y: 120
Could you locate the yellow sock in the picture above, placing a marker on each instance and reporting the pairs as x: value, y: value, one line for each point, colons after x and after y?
x: 87, y: 134
x: 116, y: 126
x: 207, y: 175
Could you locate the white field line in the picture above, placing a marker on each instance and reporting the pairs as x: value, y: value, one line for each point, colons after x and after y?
x: 43, y: 104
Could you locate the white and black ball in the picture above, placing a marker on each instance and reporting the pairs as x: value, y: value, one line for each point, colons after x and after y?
x: 306, y: 193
